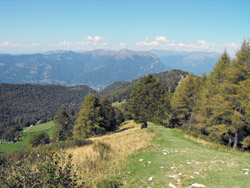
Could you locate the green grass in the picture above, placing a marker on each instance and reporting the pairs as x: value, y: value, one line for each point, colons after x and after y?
x: 40, y: 127
x: 27, y: 132
x: 182, y: 163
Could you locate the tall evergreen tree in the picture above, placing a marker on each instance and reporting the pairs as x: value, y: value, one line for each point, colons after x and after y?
x: 109, y: 122
x: 89, y: 119
x: 63, y: 125
x: 147, y: 101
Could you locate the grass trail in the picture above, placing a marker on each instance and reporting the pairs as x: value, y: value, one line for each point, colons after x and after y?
x: 176, y: 161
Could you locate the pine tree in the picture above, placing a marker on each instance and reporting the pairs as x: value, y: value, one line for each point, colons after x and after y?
x: 109, y: 122
x: 89, y: 119
x: 63, y: 125
x: 147, y: 101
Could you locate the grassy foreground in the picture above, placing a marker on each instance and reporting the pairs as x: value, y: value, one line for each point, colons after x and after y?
x: 27, y: 132
x: 175, y: 161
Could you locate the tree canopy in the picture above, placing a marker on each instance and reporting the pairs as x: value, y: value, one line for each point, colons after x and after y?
x: 147, y: 101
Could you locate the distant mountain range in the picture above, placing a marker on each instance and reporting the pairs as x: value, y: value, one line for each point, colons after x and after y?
x: 98, y: 68
x: 195, y: 62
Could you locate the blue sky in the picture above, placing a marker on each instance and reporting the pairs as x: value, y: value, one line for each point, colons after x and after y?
x: 29, y: 26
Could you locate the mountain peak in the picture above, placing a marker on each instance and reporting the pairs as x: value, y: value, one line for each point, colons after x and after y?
x: 126, y: 53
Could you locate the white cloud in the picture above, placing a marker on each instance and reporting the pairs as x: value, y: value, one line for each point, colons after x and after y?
x: 98, y: 38
x: 35, y: 44
x: 161, y: 39
x: 202, y: 42
x: 9, y: 44
x: 5, y: 43
x: 94, y: 38
x: 122, y: 44
x: 158, y: 41
x: 89, y: 38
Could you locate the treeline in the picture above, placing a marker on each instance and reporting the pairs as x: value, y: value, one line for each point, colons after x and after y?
x: 216, y: 106
x: 22, y: 105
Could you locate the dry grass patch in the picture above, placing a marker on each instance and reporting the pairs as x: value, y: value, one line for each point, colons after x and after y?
x: 104, y: 159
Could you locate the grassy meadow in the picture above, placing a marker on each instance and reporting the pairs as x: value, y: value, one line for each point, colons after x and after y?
x: 176, y: 160
x: 27, y: 132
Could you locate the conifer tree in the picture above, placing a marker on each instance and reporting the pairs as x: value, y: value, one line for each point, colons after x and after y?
x: 63, y: 125
x: 109, y: 122
x: 147, y: 101
x: 89, y: 119
x: 184, y: 99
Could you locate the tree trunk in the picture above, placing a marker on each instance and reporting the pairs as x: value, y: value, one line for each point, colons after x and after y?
x: 235, y: 140
x: 230, y: 140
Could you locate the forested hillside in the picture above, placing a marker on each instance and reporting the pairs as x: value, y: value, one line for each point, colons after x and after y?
x: 169, y: 80
x: 25, y: 104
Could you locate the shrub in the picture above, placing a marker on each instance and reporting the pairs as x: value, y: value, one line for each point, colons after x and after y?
x: 40, y: 138
x: 50, y: 171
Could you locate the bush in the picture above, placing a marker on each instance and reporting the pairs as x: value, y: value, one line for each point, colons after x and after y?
x: 246, y: 143
x: 50, y: 171
x: 40, y: 138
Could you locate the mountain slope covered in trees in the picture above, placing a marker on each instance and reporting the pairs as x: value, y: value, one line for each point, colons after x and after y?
x: 26, y: 104
x: 169, y: 80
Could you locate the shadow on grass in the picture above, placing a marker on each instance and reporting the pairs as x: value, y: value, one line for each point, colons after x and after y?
x: 124, y: 129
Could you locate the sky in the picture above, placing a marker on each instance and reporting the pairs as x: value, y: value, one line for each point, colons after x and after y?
x: 31, y: 26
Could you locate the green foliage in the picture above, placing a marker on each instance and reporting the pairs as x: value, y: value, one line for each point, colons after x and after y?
x: 96, y: 117
x: 26, y: 134
x: 89, y: 119
x: 169, y: 80
x: 108, y: 114
x: 218, y: 106
x: 184, y: 99
x: 246, y: 143
x: 40, y: 138
x: 23, y: 105
x: 147, y: 101
x: 63, y: 125
x: 50, y: 171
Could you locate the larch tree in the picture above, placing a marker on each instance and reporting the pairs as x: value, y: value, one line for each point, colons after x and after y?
x: 184, y: 99
x: 89, y: 119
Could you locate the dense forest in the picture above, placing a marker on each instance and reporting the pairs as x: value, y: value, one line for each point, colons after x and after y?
x: 25, y: 104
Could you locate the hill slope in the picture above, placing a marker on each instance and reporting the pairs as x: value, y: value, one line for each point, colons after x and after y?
x: 25, y: 104
x: 175, y: 160
x: 169, y: 80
